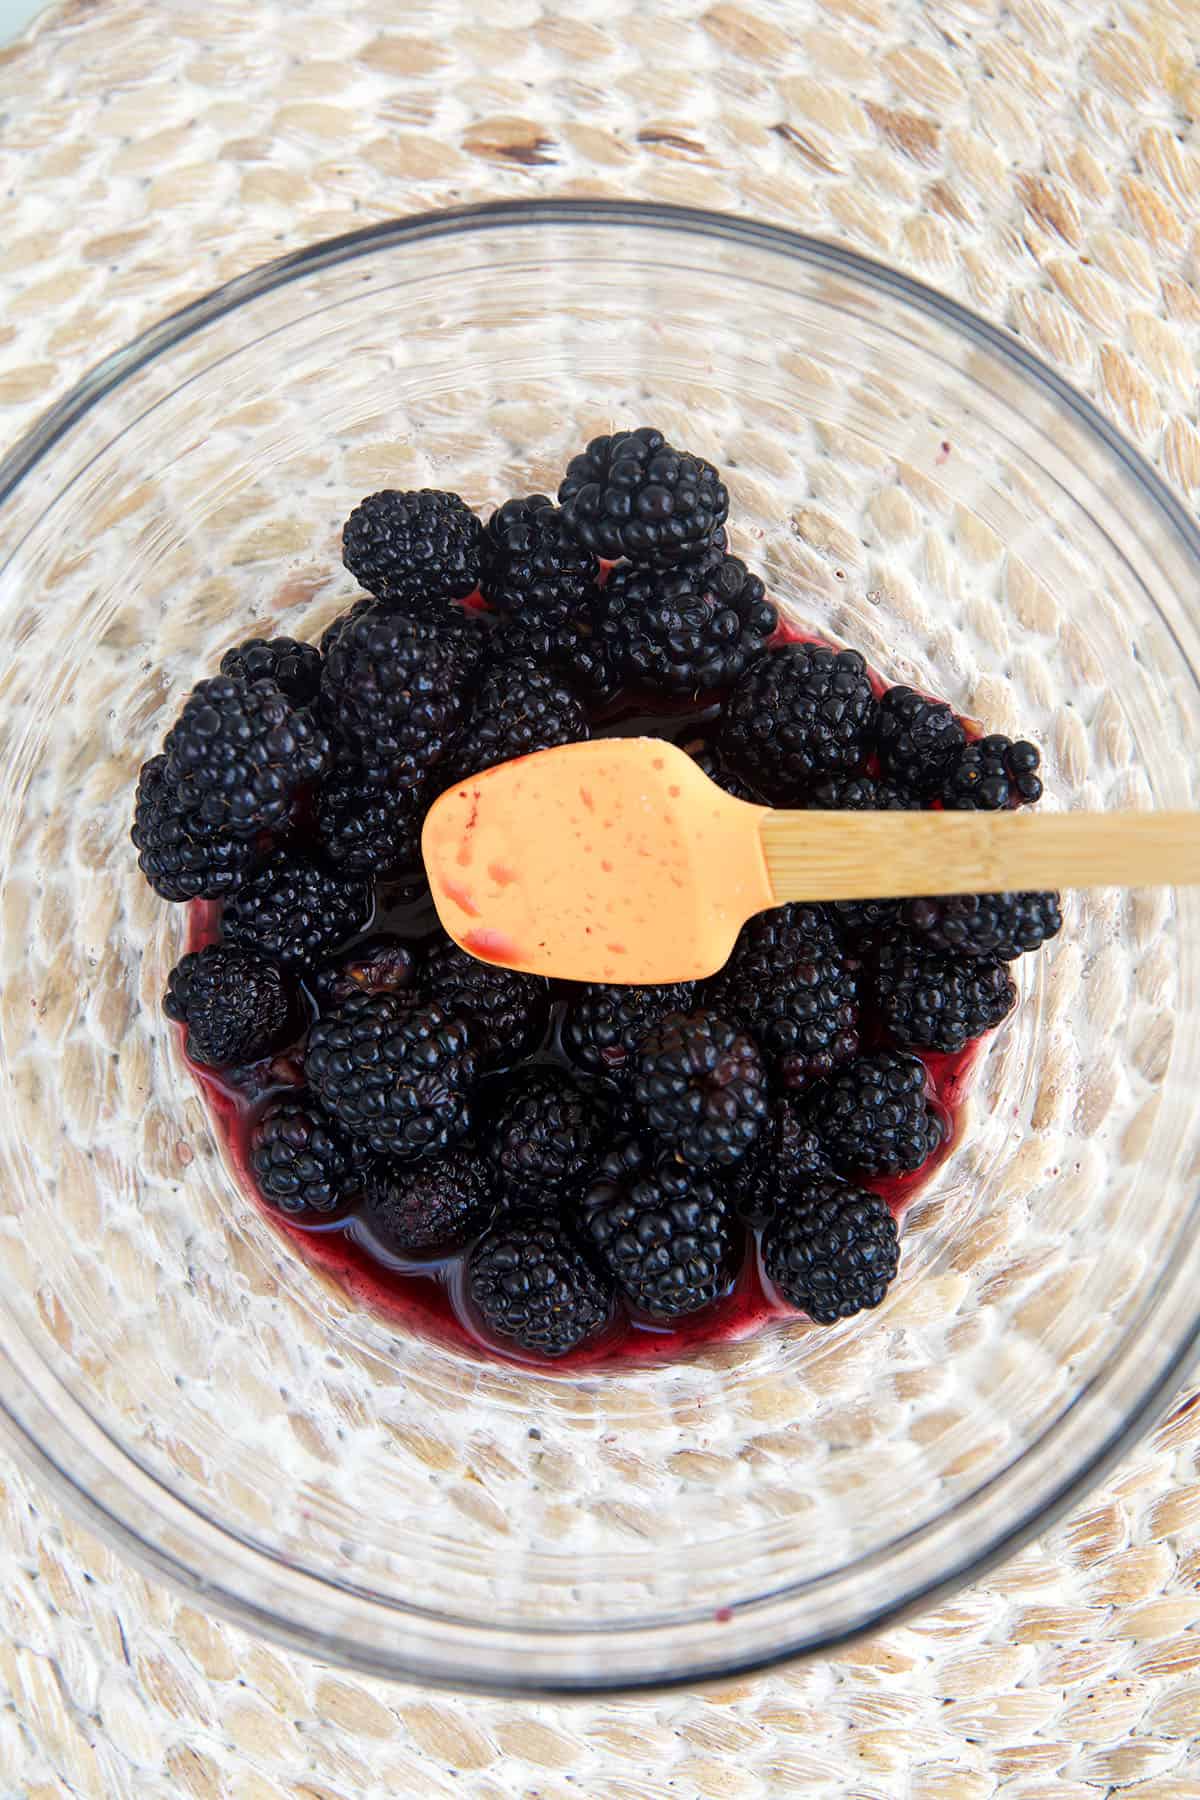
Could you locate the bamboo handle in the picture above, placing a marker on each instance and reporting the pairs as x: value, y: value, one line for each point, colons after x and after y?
x: 853, y: 856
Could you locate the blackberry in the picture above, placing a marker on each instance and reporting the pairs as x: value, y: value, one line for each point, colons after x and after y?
x: 1003, y: 926
x: 293, y: 667
x: 533, y: 568
x: 605, y: 1023
x: 920, y: 740
x: 414, y: 549
x: 832, y: 1251
x: 532, y: 640
x: 664, y: 1232
x: 713, y: 554
x: 382, y: 966
x: 545, y: 1136
x: 236, y: 1006
x: 804, y: 711
x: 787, y: 1154
x: 396, y: 1074
x: 589, y: 663
x: 532, y: 1284
x: 938, y: 1002
x: 571, y: 648
x: 301, y: 1161
x: 297, y: 912
x: 861, y: 793
x: 518, y: 708
x: 467, y: 633
x: 772, y: 942
x: 864, y: 919
x: 873, y: 1117
x: 507, y: 1011
x: 809, y: 1025
x: 393, y: 688
x: 632, y: 495
x: 367, y: 827
x: 470, y: 635
x: 991, y: 774
x: 180, y: 858
x: 798, y: 994
x: 435, y: 1206
x: 334, y: 629
x: 239, y: 753
x: 701, y: 1088
x: 708, y: 758
x: 684, y: 630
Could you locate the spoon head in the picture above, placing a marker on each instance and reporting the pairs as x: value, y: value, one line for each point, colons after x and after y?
x: 616, y: 861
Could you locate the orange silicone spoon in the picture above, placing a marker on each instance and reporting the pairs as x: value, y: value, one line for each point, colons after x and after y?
x: 620, y: 860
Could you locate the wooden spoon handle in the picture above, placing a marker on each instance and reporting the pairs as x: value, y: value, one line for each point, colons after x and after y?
x: 852, y: 856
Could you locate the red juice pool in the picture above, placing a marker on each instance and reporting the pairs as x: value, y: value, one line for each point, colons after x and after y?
x: 428, y: 1296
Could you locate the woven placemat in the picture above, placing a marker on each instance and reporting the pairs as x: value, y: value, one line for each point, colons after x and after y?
x: 1038, y: 158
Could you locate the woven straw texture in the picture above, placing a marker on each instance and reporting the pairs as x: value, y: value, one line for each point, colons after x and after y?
x: 1039, y: 160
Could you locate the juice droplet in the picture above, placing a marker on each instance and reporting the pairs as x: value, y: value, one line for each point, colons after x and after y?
x: 493, y: 945
x: 461, y: 897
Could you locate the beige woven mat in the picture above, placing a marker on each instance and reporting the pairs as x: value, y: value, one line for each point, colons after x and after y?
x: 1038, y: 158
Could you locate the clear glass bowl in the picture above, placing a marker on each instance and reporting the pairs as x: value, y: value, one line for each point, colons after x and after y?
x: 909, y: 480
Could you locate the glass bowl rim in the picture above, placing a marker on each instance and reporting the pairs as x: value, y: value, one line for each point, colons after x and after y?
x: 130, y: 1486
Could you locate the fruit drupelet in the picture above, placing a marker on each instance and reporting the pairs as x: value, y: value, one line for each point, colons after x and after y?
x: 577, y: 1165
